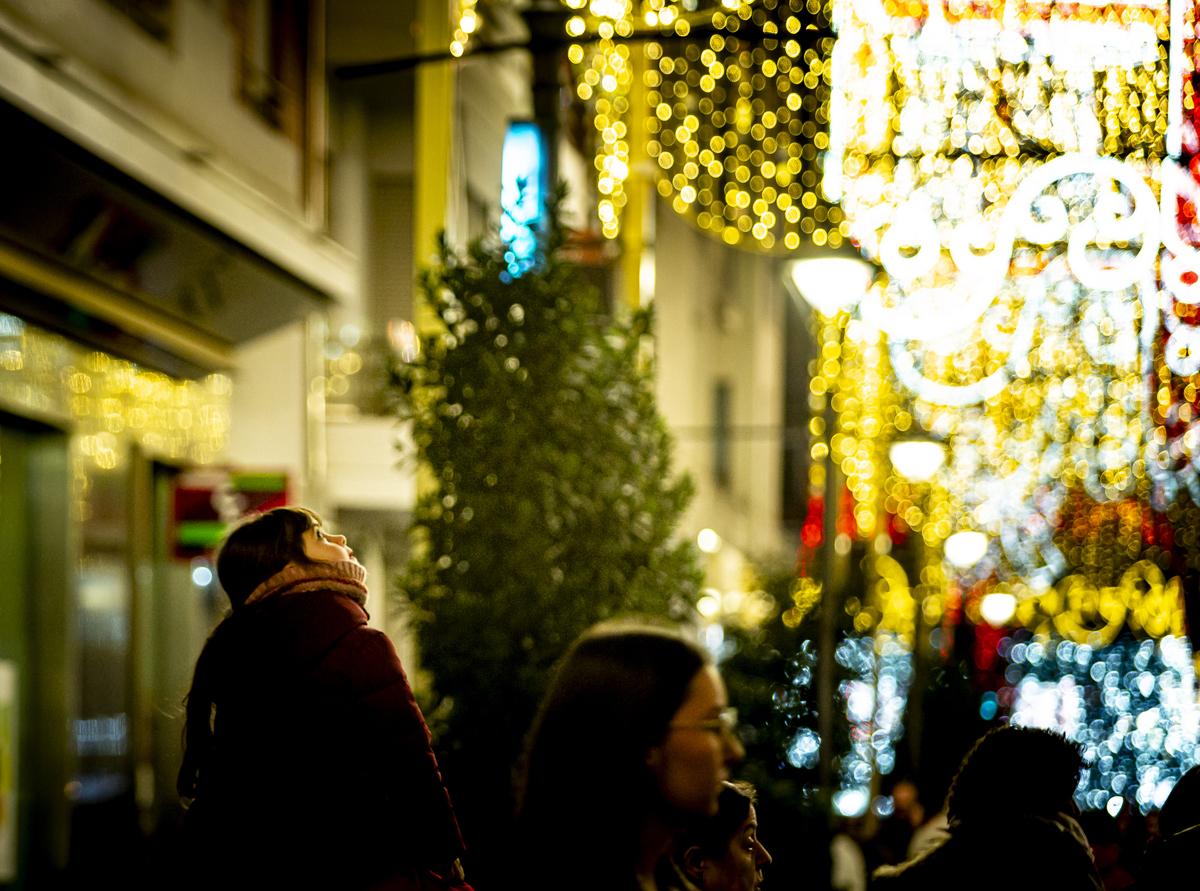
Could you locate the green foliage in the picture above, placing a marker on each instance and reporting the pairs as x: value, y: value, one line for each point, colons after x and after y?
x: 771, y: 674
x: 549, y: 503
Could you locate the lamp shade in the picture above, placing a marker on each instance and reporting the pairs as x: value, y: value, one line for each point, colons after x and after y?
x: 831, y: 283
x: 917, y: 460
x: 963, y: 549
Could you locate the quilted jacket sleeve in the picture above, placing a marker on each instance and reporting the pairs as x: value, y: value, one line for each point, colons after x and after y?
x: 395, y: 746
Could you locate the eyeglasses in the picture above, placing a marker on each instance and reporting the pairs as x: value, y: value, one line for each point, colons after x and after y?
x: 725, y: 722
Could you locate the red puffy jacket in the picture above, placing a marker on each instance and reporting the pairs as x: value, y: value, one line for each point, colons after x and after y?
x: 322, y: 774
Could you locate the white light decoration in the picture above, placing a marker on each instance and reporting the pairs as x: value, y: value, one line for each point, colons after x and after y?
x: 965, y: 549
x: 917, y: 460
x: 1138, y: 733
x: 852, y: 802
x: 831, y: 283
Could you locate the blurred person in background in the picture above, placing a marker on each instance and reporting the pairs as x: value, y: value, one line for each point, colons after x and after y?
x: 928, y: 835
x: 1172, y: 859
x: 632, y: 741
x: 896, y: 831
x: 847, y: 862
x: 723, y: 853
x: 1108, y: 849
x: 1012, y: 820
x: 307, y: 761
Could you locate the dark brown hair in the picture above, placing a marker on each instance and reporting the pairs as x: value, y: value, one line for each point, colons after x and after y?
x: 712, y: 836
x: 259, y: 547
x: 251, y: 552
x: 586, y: 786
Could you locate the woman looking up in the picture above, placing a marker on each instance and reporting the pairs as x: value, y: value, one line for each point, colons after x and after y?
x: 306, y: 757
x: 632, y: 742
x: 724, y: 853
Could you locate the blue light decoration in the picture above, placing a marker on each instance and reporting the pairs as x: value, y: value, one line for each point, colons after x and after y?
x: 522, y: 194
x: 873, y: 700
x: 797, y: 698
x: 1131, y: 705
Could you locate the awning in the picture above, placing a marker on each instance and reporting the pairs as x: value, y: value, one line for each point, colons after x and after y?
x: 91, y: 253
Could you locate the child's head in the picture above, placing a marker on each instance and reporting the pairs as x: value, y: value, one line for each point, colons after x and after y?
x: 723, y: 853
x: 261, y: 546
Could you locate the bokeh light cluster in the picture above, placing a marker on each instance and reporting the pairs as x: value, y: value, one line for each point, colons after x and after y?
x: 729, y: 101
x: 738, y: 124
x: 109, y: 404
x: 1131, y: 705
x: 874, y: 701
x: 604, y: 77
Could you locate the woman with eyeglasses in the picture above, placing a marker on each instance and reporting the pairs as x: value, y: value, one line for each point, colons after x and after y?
x: 632, y: 743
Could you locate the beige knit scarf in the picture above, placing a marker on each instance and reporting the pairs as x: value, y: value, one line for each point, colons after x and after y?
x: 344, y: 577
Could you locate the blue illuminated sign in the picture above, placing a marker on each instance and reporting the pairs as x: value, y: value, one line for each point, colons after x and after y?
x: 522, y: 194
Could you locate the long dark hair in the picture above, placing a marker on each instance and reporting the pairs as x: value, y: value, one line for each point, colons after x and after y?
x: 586, y: 787
x: 251, y: 552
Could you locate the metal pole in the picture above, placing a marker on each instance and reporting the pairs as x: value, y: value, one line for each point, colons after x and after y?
x: 827, y: 642
x: 547, y: 24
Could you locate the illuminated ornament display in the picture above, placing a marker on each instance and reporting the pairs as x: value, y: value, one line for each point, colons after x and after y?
x: 1008, y: 188
x: 1130, y: 705
x: 734, y: 104
x: 110, y: 404
x: 1027, y: 178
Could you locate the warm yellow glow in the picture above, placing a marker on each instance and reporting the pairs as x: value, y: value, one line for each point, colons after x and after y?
x: 998, y: 608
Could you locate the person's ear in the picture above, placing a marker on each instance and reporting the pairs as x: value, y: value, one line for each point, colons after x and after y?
x: 692, y: 863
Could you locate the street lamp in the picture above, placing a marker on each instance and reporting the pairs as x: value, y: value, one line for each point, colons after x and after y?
x: 917, y: 460
x: 830, y: 282
x: 998, y: 608
x: 964, y: 549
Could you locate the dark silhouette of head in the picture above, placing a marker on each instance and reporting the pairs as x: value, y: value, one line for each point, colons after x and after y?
x: 1181, y: 810
x: 259, y: 547
x: 587, y: 788
x: 1016, y: 770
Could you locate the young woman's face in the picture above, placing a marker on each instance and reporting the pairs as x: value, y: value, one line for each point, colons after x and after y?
x: 320, y: 547
x: 741, y: 867
x: 693, y: 760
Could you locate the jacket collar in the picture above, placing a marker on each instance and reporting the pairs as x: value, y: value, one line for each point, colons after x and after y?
x: 345, y: 577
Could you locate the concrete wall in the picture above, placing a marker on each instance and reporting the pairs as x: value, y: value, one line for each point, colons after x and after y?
x: 719, y: 317
x: 186, y: 87
x: 269, y: 408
